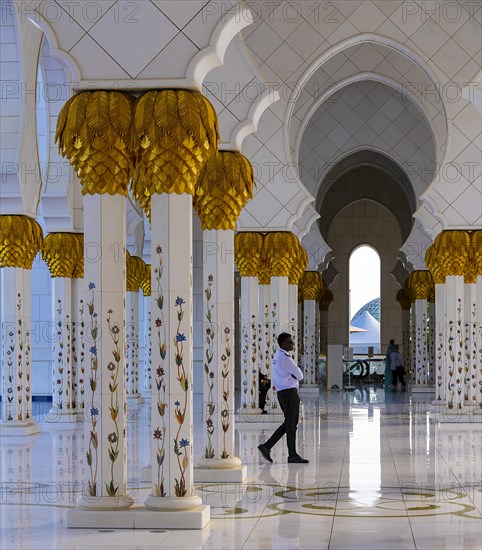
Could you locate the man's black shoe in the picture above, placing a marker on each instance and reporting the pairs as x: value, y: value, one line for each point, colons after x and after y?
x: 298, y: 460
x: 264, y: 412
x: 265, y: 452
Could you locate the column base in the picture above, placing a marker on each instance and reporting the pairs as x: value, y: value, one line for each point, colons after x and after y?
x: 220, y: 475
x: 173, y: 504
x: 423, y: 388
x: 309, y: 389
x: 253, y: 420
x: 135, y: 398
x: 145, y: 474
x: 444, y: 415
x: 61, y: 416
x: 104, y: 503
x: 139, y: 518
x: 19, y: 428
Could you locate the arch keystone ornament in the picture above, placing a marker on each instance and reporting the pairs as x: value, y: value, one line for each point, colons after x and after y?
x: 21, y: 238
x: 223, y: 189
x: 94, y: 132
x: 453, y: 260
x: 175, y: 134
x: 64, y: 255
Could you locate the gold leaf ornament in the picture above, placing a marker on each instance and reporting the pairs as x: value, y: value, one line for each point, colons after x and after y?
x: 146, y: 281
x: 449, y: 255
x: 298, y: 266
x: 310, y: 286
x: 64, y: 254
x: 247, y: 253
x: 175, y: 132
x: 135, y: 272
x: 223, y: 189
x: 280, y: 251
x: 21, y: 238
x: 403, y: 298
x: 420, y: 285
x: 94, y: 132
x: 326, y: 299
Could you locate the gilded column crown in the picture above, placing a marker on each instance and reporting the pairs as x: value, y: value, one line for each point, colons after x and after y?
x: 223, y: 189
x: 474, y: 268
x: 64, y: 254
x: 21, y: 238
x: 280, y: 250
x: 146, y: 281
x: 403, y: 298
x: 247, y: 253
x: 326, y: 299
x: 175, y: 133
x: 135, y: 272
x: 299, y: 266
x: 449, y: 255
x: 420, y: 285
x: 94, y: 132
x: 311, y: 286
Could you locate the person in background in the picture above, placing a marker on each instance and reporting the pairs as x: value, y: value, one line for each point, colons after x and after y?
x: 396, y: 366
x: 286, y: 378
x: 388, y: 370
x: 263, y: 388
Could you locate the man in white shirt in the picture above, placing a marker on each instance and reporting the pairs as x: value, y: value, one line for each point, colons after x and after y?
x: 286, y: 378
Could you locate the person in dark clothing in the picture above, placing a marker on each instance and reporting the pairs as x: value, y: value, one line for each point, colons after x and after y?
x: 396, y: 366
x: 263, y: 388
x: 388, y: 370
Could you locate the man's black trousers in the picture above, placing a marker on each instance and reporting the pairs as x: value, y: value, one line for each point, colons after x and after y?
x: 289, y: 401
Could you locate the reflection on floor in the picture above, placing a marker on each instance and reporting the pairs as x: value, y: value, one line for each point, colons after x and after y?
x: 382, y: 474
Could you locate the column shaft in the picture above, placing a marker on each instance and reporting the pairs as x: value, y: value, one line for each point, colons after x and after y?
x: 16, y: 317
x: 293, y: 319
x: 105, y: 417
x: 309, y: 341
x: 171, y: 307
x: 419, y: 319
x: 132, y: 345
x: 249, y: 342
x: 218, y: 342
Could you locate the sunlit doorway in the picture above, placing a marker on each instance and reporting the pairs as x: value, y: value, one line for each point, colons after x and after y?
x: 365, y: 317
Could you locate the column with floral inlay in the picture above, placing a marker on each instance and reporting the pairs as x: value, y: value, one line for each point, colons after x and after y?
x: 247, y: 256
x: 223, y: 189
x: 310, y: 291
x: 21, y: 238
x: 300, y: 264
x: 93, y: 131
x: 176, y: 133
x: 146, y: 332
x: 420, y: 285
x: 64, y: 255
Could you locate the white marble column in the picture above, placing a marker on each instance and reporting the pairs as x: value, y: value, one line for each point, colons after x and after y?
x: 171, y: 400
x: 309, y: 343
x: 64, y: 394
x: 218, y: 462
x: 406, y: 336
x: 440, y: 348
x: 132, y: 346
x: 431, y: 343
x: 105, y: 401
x: 478, y: 342
x: 265, y: 330
x: 470, y: 342
x: 420, y: 347
x: 79, y: 345
x: 147, y: 330
x: 16, y: 317
x: 454, y: 341
x: 293, y: 319
x: 249, y: 345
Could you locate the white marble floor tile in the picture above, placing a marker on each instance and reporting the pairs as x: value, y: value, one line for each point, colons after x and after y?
x: 391, y: 479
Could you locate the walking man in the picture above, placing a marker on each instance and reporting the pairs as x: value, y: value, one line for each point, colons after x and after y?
x: 286, y: 378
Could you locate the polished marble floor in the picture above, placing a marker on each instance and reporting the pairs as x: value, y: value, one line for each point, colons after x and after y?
x: 382, y: 474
